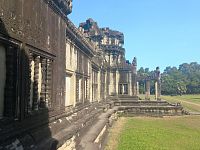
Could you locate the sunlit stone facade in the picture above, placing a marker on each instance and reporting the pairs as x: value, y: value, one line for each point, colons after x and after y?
x: 54, y: 74
x: 120, y: 74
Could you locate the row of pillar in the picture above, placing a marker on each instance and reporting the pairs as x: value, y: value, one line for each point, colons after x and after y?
x: 117, y: 87
x: 82, y: 89
x: 40, y: 82
x: 157, y: 90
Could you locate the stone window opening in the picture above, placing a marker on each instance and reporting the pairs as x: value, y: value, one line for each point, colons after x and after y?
x: 123, y: 89
x: 82, y: 89
x: 68, y: 79
x: 8, y: 81
x: 40, y: 77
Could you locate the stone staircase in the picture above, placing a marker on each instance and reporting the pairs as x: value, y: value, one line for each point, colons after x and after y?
x: 60, y: 132
x: 123, y: 98
x: 131, y: 105
x: 126, y: 97
x: 85, y: 127
x: 93, y: 138
x: 88, y: 128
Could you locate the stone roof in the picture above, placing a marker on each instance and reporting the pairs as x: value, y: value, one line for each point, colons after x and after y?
x: 92, y: 30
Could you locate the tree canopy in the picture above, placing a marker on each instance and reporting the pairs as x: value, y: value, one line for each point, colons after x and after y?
x: 182, y: 80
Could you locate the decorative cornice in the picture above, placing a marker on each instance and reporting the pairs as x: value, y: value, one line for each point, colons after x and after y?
x: 79, y: 38
x: 62, y: 7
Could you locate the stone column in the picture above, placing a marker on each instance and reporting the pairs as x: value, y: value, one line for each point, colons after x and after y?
x: 80, y: 89
x: 40, y: 81
x: 123, y: 89
x: 43, y: 85
x: 73, y: 90
x: 147, y: 97
x: 158, y: 84
x: 86, y: 89
x: 99, y: 86
x: 117, y: 82
x: 130, y: 85
x: 105, y: 88
x: 160, y: 87
x: 111, y: 59
x: 114, y: 82
x: 111, y: 83
x: 91, y: 87
x: 119, y: 59
x: 156, y: 90
x: 134, y: 84
x: 49, y: 83
x: 90, y: 81
x: 138, y: 88
x: 36, y: 83
x: 31, y: 77
x: 77, y: 89
x: 108, y: 83
x: 83, y: 89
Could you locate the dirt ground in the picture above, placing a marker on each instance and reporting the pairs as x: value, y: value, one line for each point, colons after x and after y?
x: 114, y: 134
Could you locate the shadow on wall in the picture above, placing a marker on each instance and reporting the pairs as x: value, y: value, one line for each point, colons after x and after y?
x: 2, y: 28
x: 20, y: 128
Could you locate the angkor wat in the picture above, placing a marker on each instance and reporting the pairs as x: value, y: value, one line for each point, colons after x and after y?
x: 60, y: 86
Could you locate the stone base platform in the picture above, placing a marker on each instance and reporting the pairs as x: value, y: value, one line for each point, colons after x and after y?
x: 78, y: 128
x: 147, y: 107
x: 83, y: 128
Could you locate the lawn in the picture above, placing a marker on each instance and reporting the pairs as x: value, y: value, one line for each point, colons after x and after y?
x: 143, y: 133
x: 190, y: 102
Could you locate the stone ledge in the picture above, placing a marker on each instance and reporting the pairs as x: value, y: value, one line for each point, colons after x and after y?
x: 89, y: 140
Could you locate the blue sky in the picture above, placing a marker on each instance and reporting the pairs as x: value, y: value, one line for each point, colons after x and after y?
x: 158, y: 32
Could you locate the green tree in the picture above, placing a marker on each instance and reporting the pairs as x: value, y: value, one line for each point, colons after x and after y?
x: 185, y: 79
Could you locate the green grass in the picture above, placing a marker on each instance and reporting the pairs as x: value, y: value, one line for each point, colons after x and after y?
x: 189, y: 102
x: 190, y: 98
x: 174, y: 133
x: 168, y: 133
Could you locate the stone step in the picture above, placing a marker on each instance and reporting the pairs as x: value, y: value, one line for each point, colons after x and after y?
x: 140, y: 103
x: 81, y: 125
x: 60, y: 130
x: 94, y: 135
x: 124, y: 97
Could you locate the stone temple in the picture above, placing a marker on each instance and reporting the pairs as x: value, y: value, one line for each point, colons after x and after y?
x: 61, y: 86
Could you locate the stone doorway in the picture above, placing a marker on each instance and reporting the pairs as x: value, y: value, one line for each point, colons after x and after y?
x: 2, y: 78
x: 123, y: 89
